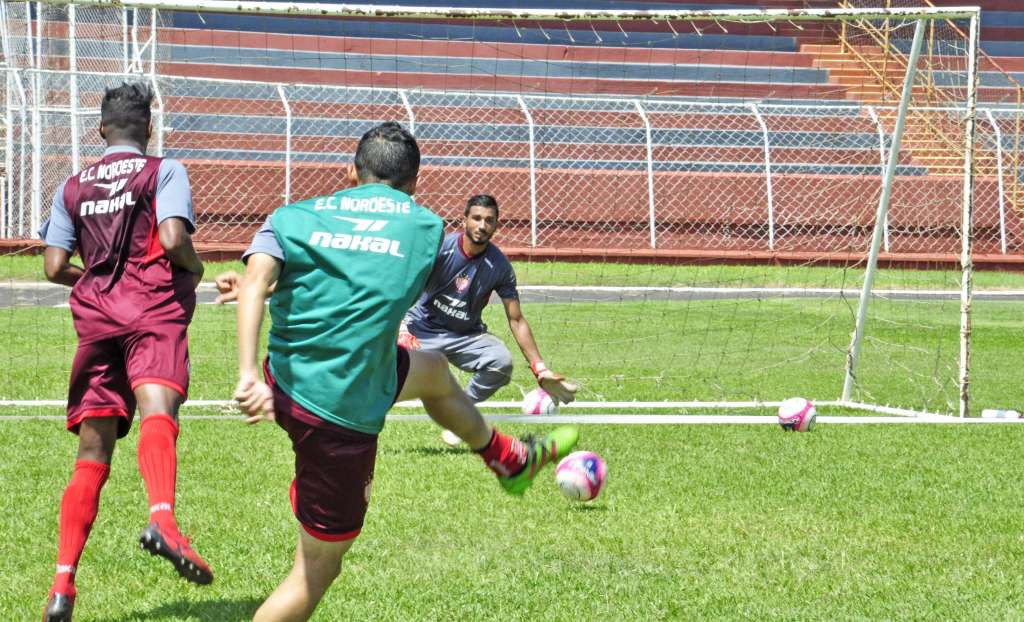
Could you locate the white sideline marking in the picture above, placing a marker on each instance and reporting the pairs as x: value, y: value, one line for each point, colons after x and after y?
x: 514, y: 406
x: 618, y: 419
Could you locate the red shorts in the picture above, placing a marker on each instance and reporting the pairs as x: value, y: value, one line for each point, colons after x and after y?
x: 333, y: 465
x: 105, y: 373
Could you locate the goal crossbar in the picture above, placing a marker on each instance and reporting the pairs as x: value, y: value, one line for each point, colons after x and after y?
x: 483, y: 13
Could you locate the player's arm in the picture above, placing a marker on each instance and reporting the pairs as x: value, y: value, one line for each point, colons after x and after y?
x: 253, y: 396
x: 58, y: 267
x: 177, y: 244
x: 176, y: 218
x: 555, y: 384
x: 228, y: 284
x: 58, y: 232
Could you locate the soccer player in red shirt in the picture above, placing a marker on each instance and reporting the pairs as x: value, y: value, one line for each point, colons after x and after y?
x: 130, y: 218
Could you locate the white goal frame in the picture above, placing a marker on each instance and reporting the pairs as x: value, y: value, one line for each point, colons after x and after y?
x: 920, y: 15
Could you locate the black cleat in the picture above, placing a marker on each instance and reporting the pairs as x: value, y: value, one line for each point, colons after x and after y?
x: 176, y: 549
x: 58, y: 608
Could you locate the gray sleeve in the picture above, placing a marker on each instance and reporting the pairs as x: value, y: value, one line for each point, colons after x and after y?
x: 174, y: 194
x: 58, y: 230
x: 507, y: 288
x: 265, y: 242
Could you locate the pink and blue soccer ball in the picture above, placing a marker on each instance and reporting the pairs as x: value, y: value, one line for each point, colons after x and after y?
x: 581, y: 475
x: 538, y: 402
x: 797, y: 415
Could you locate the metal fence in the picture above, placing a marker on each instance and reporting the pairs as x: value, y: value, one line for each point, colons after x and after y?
x: 568, y: 171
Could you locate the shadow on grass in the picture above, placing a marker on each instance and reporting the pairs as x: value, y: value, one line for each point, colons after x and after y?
x: 434, y: 451
x: 218, y: 610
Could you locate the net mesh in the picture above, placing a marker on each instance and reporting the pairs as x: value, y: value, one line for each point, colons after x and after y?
x: 688, y: 141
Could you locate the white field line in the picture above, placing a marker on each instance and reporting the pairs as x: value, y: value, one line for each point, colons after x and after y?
x: 830, y: 291
x: 494, y: 405
x: 614, y: 419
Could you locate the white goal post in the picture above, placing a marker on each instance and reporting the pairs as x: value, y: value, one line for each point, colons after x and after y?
x: 768, y: 148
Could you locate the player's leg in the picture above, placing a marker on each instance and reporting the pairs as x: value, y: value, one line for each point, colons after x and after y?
x: 157, y: 362
x: 429, y: 380
x: 329, y: 495
x: 483, y: 355
x: 98, y: 413
x: 515, y: 462
x: 317, y: 564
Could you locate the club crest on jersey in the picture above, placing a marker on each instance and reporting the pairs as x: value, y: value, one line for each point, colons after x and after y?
x: 461, y: 283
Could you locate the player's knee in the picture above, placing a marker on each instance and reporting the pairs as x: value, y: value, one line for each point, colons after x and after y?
x: 501, y: 366
x: 435, y: 379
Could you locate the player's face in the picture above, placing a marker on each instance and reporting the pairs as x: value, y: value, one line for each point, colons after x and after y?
x: 481, y: 223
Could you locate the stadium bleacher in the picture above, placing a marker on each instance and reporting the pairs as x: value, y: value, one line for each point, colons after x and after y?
x: 471, y: 142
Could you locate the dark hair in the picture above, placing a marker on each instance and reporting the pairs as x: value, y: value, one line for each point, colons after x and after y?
x: 388, y: 154
x: 125, y: 109
x: 481, y: 200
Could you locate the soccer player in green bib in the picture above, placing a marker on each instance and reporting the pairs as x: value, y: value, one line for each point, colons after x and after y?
x: 343, y: 270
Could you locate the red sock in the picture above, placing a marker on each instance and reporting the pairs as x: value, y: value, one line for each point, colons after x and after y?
x: 158, y: 463
x: 77, y: 512
x: 505, y: 455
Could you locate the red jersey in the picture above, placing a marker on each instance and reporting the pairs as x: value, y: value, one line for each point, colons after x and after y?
x: 128, y: 282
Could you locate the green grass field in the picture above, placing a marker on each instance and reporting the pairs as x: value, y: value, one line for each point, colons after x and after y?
x: 696, y: 522
x: 849, y: 522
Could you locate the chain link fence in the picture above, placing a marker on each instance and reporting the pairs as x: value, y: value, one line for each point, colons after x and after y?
x: 570, y: 171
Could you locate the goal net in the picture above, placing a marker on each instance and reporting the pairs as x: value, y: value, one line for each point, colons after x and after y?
x: 691, y: 199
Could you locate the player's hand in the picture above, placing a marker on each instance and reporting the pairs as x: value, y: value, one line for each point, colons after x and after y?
x: 406, y: 339
x: 557, y: 386
x: 255, y: 399
x: 227, y: 286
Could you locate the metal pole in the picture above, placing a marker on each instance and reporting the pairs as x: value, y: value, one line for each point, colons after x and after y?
x: 652, y: 224
x: 767, y: 175
x: 8, y: 153
x: 30, y: 61
x: 153, y: 16
x: 39, y: 36
x: 883, y: 210
x: 408, y: 111
x: 5, y: 37
x: 881, y: 159
x: 124, y: 39
x: 999, y: 179
x: 37, y: 128
x: 136, y: 54
x: 966, y: 226
x: 287, y: 145
x: 533, y: 171
x: 23, y: 109
x: 73, y: 91
x: 159, y: 98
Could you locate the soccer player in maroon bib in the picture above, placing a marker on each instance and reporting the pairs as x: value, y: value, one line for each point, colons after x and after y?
x: 130, y: 218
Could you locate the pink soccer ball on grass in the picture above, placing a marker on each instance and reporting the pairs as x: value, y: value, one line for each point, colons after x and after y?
x: 797, y: 415
x: 538, y: 402
x: 581, y: 475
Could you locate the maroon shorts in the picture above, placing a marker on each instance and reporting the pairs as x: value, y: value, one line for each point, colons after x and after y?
x: 333, y: 465
x: 105, y: 373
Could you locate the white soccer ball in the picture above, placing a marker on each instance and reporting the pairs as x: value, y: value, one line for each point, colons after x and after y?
x: 797, y: 415
x: 538, y: 402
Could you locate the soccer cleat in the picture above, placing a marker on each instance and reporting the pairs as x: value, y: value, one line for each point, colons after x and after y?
x: 176, y: 549
x: 540, y: 451
x: 58, y: 608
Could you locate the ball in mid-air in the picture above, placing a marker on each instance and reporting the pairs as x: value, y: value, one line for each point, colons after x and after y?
x: 797, y: 415
x: 581, y: 475
x: 538, y: 402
